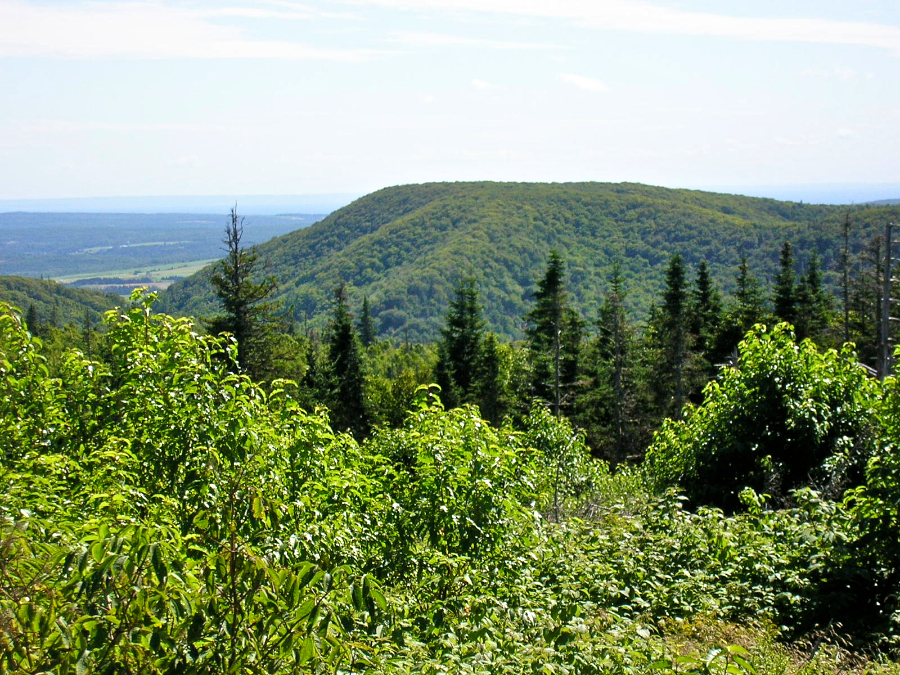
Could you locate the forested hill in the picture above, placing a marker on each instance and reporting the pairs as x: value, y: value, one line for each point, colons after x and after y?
x: 57, y: 304
x: 404, y: 247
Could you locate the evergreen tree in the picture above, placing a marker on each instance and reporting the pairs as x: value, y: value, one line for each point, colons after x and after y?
x: 366, y: 327
x: 554, y: 332
x: 606, y: 405
x: 746, y: 308
x: 459, y: 352
x: 32, y: 321
x: 785, y: 295
x: 248, y: 317
x: 705, y: 315
x: 347, y: 404
x: 489, y: 387
x: 671, y: 334
x: 813, y: 304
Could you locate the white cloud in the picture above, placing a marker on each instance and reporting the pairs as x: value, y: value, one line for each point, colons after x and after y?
x: 481, y: 84
x: 846, y: 133
x: 586, y: 83
x: 442, y: 40
x: 148, y: 29
x: 647, y: 17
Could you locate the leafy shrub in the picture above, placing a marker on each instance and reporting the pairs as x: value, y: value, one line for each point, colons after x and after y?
x: 785, y: 417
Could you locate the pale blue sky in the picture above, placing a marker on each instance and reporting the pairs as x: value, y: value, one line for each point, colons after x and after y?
x: 282, y: 97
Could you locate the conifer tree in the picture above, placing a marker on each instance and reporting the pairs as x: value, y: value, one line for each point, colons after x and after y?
x: 347, y: 403
x: 671, y: 333
x: 459, y: 351
x: 705, y: 315
x: 32, y: 321
x: 554, y: 332
x: 248, y: 317
x: 813, y: 304
x: 366, y: 327
x: 605, y: 407
x: 785, y: 294
x: 489, y: 387
x: 746, y: 308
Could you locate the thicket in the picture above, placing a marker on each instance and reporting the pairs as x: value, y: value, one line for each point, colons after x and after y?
x: 162, y: 514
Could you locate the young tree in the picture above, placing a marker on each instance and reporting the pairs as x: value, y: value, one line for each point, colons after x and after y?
x: 746, y: 308
x: 248, y: 317
x: 554, y: 332
x: 785, y: 294
x: 813, y: 304
x: 604, y: 409
x: 348, y: 411
x: 705, y: 313
x: 366, y: 327
x: 671, y: 332
x: 459, y: 351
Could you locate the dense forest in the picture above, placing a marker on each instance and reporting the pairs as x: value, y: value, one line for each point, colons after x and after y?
x: 405, y: 247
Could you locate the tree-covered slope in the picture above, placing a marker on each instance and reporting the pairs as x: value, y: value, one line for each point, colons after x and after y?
x: 56, y: 303
x: 404, y: 247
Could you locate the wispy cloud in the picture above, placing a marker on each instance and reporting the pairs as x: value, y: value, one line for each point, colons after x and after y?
x: 148, y: 29
x: 481, y: 84
x: 424, y: 39
x: 648, y: 17
x: 586, y: 83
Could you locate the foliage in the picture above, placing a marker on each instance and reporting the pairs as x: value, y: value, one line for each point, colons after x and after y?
x: 161, y: 513
x: 249, y: 317
x: 786, y: 416
x: 403, y: 246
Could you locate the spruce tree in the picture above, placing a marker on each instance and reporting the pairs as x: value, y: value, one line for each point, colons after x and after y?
x: 348, y: 411
x: 813, y: 304
x: 366, y: 326
x: 554, y: 332
x: 489, y: 387
x: 785, y: 295
x: 248, y: 317
x: 459, y: 352
x: 671, y: 335
x: 605, y: 407
x: 746, y: 308
x: 705, y: 315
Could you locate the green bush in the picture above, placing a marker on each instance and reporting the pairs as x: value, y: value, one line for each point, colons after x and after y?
x: 785, y: 417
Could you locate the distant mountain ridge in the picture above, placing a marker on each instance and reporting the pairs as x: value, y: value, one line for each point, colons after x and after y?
x: 403, y: 247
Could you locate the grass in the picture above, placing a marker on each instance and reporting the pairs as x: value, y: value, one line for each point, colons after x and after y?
x: 158, y: 273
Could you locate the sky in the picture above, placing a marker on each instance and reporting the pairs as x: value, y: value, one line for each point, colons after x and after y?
x: 277, y: 97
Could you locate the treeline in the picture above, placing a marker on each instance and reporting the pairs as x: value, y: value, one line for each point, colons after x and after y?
x: 611, y: 376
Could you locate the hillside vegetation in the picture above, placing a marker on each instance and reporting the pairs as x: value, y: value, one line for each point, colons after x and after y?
x: 404, y: 247
x: 56, y: 304
x: 161, y: 513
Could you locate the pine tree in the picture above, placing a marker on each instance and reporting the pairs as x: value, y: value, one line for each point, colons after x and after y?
x: 785, y: 295
x: 813, y: 304
x: 746, y: 308
x: 250, y: 319
x: 554, y: 332
x: 32, y: 321
x: 671, y: 334
x: 348, y: 411
x: 366, y: 327
x: 605, y: 408
x: 459, y: 352
x: 489, y: 387
x: 705, y: 315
